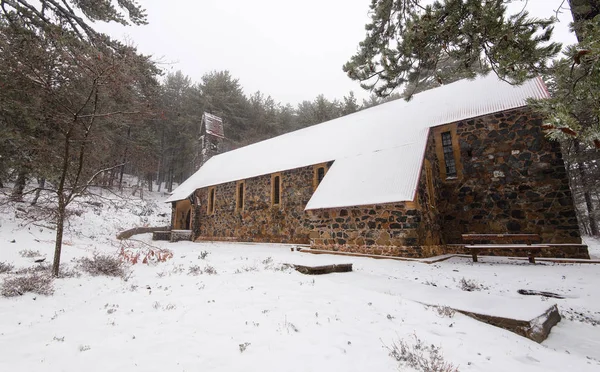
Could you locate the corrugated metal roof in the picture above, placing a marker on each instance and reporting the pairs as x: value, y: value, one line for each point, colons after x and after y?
x: 214, y: 125
x: 369, y: 178
x: 387, y: 126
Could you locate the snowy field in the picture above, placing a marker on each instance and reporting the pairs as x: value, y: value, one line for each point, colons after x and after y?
x: 247, y: 311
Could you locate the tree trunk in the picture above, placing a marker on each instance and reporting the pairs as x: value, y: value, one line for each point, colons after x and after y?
x: 62, y: 203
x: 158, y: 175
x: 170, y: 180
x: 41, y: 184
x: 112, y: 178
x: 17, y: 193
x: 585, y: 189
x: 583, y: 10
x: 150, y: 181
x: 60, y: 224
x: 124, y: 158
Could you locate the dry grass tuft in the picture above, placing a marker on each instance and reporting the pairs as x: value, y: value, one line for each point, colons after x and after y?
x: 102, y: 265
x: 39, y: 283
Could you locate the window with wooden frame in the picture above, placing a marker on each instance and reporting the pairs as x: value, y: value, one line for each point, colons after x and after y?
x: 211, y: 200
x: 448, y: 152
x: 319, y: 172
x: 276, y: 189
x: 240, y: 194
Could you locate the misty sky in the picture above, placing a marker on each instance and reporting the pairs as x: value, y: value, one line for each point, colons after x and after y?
x: 291, y: 50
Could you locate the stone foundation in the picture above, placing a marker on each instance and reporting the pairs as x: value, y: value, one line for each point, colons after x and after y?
x: 385, y: 250
x: 161, y: 235
x: 181, y: 235
x: 555, y: 251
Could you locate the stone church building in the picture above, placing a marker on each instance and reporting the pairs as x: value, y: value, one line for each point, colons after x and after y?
x: 399, y: 179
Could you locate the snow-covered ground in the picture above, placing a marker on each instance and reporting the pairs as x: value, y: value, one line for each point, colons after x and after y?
x: 256, y: 314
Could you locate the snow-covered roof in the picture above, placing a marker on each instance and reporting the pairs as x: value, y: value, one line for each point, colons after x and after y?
x: 378, y: 152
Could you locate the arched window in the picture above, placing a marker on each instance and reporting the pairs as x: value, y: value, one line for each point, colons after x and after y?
x: 319, y: 172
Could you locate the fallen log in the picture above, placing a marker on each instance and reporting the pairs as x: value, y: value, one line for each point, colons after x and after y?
x: 530, y: 292
x: 326, y: 269
x: 140, y: 230
x: 536, y: 329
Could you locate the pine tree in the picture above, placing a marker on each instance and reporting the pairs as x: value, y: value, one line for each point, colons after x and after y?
x: 419, y: 46
x: 408, y: 42
x: 67, y: 94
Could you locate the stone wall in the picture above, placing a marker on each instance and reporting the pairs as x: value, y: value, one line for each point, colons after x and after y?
x: 259, y: 221
x: 387, y: 229
x: 513, y: 181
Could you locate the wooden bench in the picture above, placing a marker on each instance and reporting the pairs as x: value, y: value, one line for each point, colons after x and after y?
x: 531, y: 243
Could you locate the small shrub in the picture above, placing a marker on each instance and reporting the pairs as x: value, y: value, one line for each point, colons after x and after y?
x: 63, y: 272
x: 420, y: 357
x: 146, y: 255
x: 41, y: 284
x: 83, y: 348
x: 249, y: 268
x: 143, y: 210
x: 203, y: 255
x: 292, y: 327
x: 40, y: 268
x: 470, y: 285
x: 282, y: 267
x: 156, y: 305
x: 244, y: 346
x: 267, y: 261
x: 102, y: 265
x: 29, y: 253
x: 445, y: 311
x: 210, y: 270
x: 195, y: 270
x: 178, y: 269
x: 67, y: 272
x: 5, y: 267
